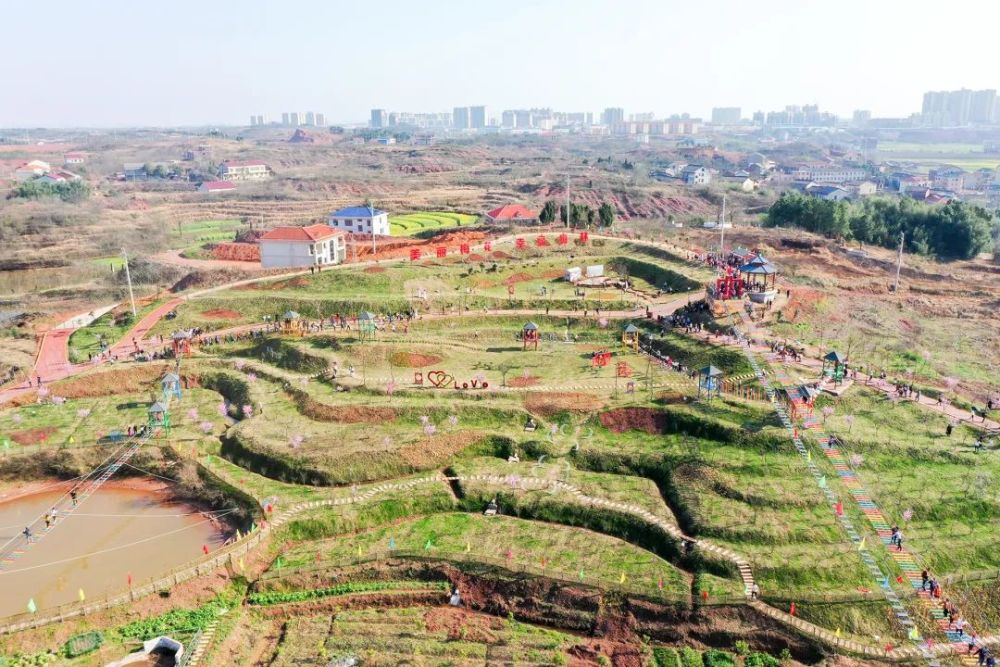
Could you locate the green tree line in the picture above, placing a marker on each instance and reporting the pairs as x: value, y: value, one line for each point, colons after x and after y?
x: 580, y: 216
x: 70, y: 191
x: 957, y: 230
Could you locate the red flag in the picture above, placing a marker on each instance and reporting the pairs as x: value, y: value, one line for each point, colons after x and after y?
x: 704, y: 595
x: 791, y: 609
x: 204, y: 548
x: 659, y: 584
x: 840, y: 508
x: 130, y: 580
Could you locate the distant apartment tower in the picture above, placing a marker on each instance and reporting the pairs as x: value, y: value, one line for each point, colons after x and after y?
x: 284, y: 118
x: 320, y: 120
x: 310, y: 119
x: 253, y: 120
x: 477, y: 117
x: 379, y: 118
x: 727, y: 115
x: 959, y: 107
x: 524, y: 119
x: 861, y: 117
x: 613, y: 115
x: 460, y: 118
x: 646, y: 116
x: 507, y: 119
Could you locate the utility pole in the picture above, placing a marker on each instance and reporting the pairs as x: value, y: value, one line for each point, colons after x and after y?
x: 128, y: 278
x: 722, y: 238
x: 371, y: 219
x: 568, y: 216
x: 899, y: 263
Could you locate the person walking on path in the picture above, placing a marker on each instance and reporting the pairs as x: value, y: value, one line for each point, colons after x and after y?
x: 754, y: 591
x: 925, y: 576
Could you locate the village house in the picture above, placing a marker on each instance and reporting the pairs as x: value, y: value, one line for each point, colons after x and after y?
x: 300, y: 247
x: 74, y: 157
x: 217, y: 186
x: 31, y: 170
x: 360, y: 220
x: 696, y: 174
x: 244, y: 170
x: 827, y: 192
x: 57, y: 176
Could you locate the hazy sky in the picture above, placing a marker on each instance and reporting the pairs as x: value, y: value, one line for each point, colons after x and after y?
x: 186, y: 62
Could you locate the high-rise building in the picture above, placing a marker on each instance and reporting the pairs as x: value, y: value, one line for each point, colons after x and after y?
x: 310, y: 119
x: 981, y: 106
x: 379, y: 118
x: 260, y: 119
x: 477, y: 117
x: 861, y: 117
x: 293, y: 118
x: 284, y: 118
x: 726, y: 115
x: 613, y: 115
x: 524, y: 119
x: 460, y: 118
x: 958, y: 107
x: 507, y: 118
x: 253, y: 120
x: 320, y: 120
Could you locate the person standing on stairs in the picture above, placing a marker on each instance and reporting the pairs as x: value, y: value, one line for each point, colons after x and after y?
x: 982, y: 654
x: 925, y: 577
x: 899, y: 540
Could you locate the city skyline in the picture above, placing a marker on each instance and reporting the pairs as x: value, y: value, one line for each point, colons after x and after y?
x: 148, y: 66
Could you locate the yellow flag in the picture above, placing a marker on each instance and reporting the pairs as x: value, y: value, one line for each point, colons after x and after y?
x: 468, y: 547
x: 837, y: 633
x: 359, y: 551
x: 621, y: 578
x: 861, y: 544
x: 81, y: 595
x: 71, y: 440
x: 914, y: 634
x: 809, y: 456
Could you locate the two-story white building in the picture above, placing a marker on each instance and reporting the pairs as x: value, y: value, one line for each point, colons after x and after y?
x: 361, y: 220
x: 244, y: 170
x: 292, y: 247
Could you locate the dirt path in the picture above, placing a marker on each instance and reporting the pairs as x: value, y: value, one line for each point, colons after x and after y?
x: 173, y: 258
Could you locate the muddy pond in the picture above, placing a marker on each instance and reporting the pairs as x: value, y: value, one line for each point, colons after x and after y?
x: 119, y: 530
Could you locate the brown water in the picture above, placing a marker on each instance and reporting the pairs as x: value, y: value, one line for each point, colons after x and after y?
x: 112, y: 533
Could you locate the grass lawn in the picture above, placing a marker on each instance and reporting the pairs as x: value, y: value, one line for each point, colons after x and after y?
x: 87, y: 340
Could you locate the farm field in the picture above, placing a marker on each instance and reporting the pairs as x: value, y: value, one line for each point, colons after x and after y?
x: 414, y: 223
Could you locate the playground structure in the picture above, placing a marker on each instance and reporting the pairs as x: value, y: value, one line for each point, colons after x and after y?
x: 159, y: 417
x: 729, y: 285
x: 367, y: 325
x: 171, y: 386
x: 181, y: 343
x: 630, y: 338
x: 530, y: 335
x: 834, y: 367
x: 291, y: 323
x: 710, y: 381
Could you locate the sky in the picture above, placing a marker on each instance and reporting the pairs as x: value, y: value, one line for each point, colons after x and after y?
x: 118, y: 63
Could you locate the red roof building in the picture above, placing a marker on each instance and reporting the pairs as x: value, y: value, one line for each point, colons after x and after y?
x: 310, y: 233
x: 217, y: 186
x: 511, y: 213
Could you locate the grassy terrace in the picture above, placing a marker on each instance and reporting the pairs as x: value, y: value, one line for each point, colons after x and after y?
x: 909, y: 464
x: 450, y: 284
x: 425, y: 221
x: 562, y: 552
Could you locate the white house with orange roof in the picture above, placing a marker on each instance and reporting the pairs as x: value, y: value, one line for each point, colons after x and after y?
x: 301, y: 247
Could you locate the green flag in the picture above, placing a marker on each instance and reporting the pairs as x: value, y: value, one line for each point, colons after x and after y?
x: 31, y: 606
x: 280, y: 563
x: 822, y: 482
x: 427, y: 547
x: 6, y: 443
